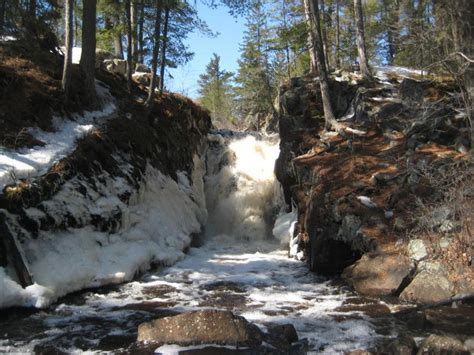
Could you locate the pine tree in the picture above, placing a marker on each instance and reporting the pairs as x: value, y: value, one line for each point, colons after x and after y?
x: 215, y: 91
x: 255, y: 91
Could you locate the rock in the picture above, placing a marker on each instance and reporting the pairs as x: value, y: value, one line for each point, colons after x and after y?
x: 417, y: 249
x: 117, y: 66
x: 142, y: 78
x: 430, y: 285
x: 282, y: 336
x: 437, y: 344
x: 202, y: 327
x: 142, y: 68
x: 377, y: 274
x: 403, y: 345
x: 100, y: 56
x: 350, y: 226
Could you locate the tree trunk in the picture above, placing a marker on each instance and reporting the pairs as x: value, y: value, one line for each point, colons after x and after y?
x: 32, y: 9
x: 2, y: 15
x: 163, y: 50
x: 315, y: 27
x: 88, y: 48
x: 141, y: 22
x: 69, y: 31
x: 311, y: 40
x: 154, y: 58
x: 338, y: 38
x: 134, y: 19
x: 359, y: 18
x: 324, y: 34
x: 128, y: 12
x: 118, y: 47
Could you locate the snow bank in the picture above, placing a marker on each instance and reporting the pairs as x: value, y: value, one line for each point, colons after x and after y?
x: 30, y: 162
x: 155, y: 228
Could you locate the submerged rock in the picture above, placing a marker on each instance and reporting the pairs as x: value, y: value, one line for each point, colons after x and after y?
x: 202, y: 327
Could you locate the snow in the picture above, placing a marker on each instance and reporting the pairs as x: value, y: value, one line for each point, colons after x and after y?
x: 156, y: 227
x: 284, y: 227
x: 381, y: 72
x: 366, y: 201
x: 32, y: 162
x: 176, y: 349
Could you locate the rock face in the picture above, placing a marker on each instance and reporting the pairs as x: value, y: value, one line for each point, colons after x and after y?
x: 377, y: 274
x: 117, y: 66
x: 430, y: 285
x: 202, y: 327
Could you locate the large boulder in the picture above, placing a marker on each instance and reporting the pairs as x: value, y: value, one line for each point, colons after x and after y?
x: 142, y: 78
x: 378, y: 274
x: 202, y: 327
x: 430, y: 285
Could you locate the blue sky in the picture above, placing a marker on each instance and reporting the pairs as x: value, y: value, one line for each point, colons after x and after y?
x: 226, y: 45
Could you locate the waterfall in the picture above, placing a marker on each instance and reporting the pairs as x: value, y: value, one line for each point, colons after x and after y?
x: 243, y: 196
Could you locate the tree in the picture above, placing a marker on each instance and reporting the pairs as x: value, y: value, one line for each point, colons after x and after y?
x: 69, y: 31
x: 216, y: 91
x: 312, y: 9
x: 154, y: 59
x: 163, y: 48
x: 88, y: 48
x: 359, y: 18
x: 256, y: 87
x: 130, y: 43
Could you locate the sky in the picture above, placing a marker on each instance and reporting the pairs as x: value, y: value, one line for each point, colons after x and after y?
x: 226, y: 45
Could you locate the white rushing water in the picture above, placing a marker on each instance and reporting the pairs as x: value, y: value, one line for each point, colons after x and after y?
x: 240, y: 266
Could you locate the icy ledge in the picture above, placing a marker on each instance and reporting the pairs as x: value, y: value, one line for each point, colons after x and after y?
x: 156, y: 228
x: 31, y: 162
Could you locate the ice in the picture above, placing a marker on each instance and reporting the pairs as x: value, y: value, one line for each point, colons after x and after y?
x: 32, y: 162
x: 403, y: 72
x: 284, y: 227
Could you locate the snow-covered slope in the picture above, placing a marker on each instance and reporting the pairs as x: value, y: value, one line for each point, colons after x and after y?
x: 32, y: 162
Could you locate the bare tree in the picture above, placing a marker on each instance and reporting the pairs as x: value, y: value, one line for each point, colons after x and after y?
x: 154, y: 58
x: 88, y: 48
x: 359, y: 18
x: 337, y: 54
x: 69, y: 32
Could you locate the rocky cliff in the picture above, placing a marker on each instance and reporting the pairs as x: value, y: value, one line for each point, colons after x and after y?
x: 391, y: 206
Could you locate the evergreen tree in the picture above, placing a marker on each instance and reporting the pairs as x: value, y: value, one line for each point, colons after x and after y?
x: 256, y: 88
x: 215, y: 91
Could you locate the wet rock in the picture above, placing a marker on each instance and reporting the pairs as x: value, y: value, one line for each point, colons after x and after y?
x: 417, y: 249
x: 202, y: 327
x: 437, y: 344
x: 430, y: 285
x: 378, y: 274
x: 282, y: 336
x: 403, y: 345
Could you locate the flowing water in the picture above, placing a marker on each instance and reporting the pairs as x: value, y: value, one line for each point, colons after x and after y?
x: 236, y: 265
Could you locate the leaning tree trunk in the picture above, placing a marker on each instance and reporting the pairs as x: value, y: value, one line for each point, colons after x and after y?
x: 163, y: 50
x: 128, y: 12
x: 312, y: 7
x: 69, y: 32
x: 88, y: 48
x: 154, y: 58
x: 359, y: 18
